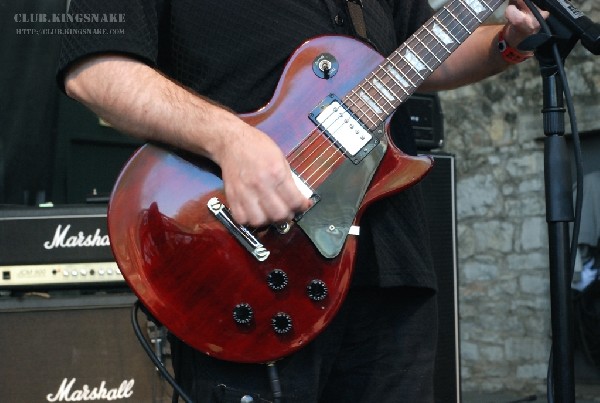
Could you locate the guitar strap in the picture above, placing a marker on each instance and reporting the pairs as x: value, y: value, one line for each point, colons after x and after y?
x: 355, y: 9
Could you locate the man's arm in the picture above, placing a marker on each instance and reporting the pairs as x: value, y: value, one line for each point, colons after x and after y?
x: 478, y: 57
x: 138, y: 100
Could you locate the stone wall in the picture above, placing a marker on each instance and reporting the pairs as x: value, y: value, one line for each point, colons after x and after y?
x: 494, y: 128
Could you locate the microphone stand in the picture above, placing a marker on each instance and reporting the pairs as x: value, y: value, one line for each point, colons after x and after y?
x: 559, y: 211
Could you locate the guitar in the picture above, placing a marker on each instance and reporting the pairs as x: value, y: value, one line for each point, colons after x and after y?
x: 257, y: 295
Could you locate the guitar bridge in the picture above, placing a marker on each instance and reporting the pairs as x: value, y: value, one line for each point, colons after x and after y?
x: 240, y: 232
x: 343, y: 128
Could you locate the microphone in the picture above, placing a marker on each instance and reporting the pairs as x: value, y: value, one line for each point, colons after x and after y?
x: 575, y: 20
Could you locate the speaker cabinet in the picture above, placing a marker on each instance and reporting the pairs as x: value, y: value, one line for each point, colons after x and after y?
x: 74, y: 348
x: 439, y: 193
x: 62, y: 347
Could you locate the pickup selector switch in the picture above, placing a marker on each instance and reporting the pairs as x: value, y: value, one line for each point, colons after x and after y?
x: 316, y: 290
x: 282, y: 323
x: 243, y: 314
x: 277, y: 280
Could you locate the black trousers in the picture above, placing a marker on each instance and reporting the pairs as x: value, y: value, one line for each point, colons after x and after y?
x: 380, y: 348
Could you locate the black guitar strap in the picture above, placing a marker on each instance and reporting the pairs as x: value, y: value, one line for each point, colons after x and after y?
x: 355, y: 9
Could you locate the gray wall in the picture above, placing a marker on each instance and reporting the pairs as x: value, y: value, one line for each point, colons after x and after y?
x: 494, y: 128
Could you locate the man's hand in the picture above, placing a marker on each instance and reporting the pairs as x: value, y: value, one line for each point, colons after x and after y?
x: 138, y: 100
x: 521, y: 22
x: 258, y: 181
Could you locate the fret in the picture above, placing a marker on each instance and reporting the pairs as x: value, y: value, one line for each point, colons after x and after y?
x: 408, y: 66
x: 472, y: 20
x: 403, y: 74
x: 359, y: 107
x: 389, y: 72
x: 386, y: 92
x: 395, y: 91
x: 434, y: 45
x: 444, y: 33
x: 474, y: 15
x: 427, y: 53
x: 361, y: 112
x: 417, y: 62
x: 352, y: 104
x: 472, y: 8
x: 458, y: 28
x: 409, y: 59
x: 442, y: 36
x: 370, y: 102
x: 490, y: 9
x: 459, y: 22
x: 475, y: 8
x: 380, y: 89
x: 392, y: 70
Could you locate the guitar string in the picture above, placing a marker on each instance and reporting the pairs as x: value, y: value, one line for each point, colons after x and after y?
x: 421, y: 51
x: 424, y: 50
x: 413, y: 43
x: 330, y: 146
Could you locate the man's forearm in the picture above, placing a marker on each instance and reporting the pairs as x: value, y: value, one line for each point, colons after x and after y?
x: 477, y: 58
x: 139, y: 101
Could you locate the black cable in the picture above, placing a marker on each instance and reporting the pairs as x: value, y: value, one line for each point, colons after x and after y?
x: 275, y: 383
x: 148, y: 349
x: 578, y: 167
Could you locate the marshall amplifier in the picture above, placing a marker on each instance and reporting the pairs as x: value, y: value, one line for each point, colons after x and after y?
x: 427, y: 120
x: 70, y: 348
x: 56, y: 247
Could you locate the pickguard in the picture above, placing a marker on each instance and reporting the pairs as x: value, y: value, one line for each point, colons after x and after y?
x: 328, y: 223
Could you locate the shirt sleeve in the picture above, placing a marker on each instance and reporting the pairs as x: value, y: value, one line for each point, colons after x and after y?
x: 410, y: 16
x: 109, y: 26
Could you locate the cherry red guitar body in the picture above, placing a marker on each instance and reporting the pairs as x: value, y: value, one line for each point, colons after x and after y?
x: 197, y: 278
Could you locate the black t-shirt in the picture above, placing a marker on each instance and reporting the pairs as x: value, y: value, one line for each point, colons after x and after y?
x: 234, y: 52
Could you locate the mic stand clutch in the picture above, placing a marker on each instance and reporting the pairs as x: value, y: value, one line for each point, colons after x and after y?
x: 559, y: 211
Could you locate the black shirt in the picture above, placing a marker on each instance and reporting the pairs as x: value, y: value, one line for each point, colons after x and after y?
x: 234, y: 52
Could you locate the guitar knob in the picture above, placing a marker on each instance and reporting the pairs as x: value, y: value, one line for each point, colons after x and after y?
x: 317, y: 290
x: 243, y: 314
x: 277, y: 280
x: 282, y: 323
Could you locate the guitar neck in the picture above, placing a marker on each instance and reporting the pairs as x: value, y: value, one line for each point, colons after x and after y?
x: 398, y: 77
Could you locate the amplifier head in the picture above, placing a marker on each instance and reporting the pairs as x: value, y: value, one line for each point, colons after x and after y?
x: 55, y: 247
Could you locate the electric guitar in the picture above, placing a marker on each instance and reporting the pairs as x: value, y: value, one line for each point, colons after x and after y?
x: 256, y: 295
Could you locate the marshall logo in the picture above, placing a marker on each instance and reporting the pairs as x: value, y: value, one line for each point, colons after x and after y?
x: 66, y: 393
x: 62, y: 239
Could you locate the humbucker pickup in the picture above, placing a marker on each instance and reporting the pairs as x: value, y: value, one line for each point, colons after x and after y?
x: 343, y: 128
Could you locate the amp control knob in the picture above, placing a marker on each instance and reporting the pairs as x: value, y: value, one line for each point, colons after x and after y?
x: 282, y: 323
x: 277, y: 280
x: 243, y: 314
x: 317, y: 290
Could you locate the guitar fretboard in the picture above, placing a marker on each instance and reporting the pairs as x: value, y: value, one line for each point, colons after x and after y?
x: 398, y: 77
